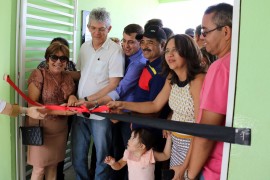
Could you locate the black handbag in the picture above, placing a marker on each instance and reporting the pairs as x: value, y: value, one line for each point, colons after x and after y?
x: 32, y: 135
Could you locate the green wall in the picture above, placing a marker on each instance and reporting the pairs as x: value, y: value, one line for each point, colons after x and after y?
x: 7, y: 64
x: 252, y: 93
x: 252, y: 89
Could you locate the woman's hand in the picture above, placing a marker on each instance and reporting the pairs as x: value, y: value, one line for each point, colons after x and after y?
x: 61, y: 112
x: 72, y: 100
x: 179, y: 172
x: 69, y: 113
x: 64, y: 113
x: 115, y: 105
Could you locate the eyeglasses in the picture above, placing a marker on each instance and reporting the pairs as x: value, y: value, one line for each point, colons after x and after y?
x: 62, y: 59
x: 204, y: 33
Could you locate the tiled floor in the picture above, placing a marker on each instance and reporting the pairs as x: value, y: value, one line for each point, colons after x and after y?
x: 70, y: 174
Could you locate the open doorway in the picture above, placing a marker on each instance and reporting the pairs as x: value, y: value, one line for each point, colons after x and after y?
x: 182, y: 15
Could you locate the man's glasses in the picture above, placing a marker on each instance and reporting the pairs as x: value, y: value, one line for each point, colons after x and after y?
x: 204, y: 33
x: 62, y: 59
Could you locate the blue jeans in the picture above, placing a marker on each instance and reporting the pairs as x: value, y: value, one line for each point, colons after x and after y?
x: 82, y: 129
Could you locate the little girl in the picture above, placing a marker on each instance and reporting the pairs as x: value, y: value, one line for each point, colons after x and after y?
x: 140, y: 157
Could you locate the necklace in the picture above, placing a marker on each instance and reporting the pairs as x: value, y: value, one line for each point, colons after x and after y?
x: 182, y: 83
x: 57, y: 84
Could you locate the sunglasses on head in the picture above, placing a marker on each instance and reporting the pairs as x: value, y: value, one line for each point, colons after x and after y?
x: 62, y: 59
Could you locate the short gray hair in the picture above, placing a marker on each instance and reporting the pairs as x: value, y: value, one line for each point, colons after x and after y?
x: 101, y: 15
x: 222, y: 14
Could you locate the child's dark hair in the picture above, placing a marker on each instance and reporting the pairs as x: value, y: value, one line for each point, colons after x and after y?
x: 145, y: 137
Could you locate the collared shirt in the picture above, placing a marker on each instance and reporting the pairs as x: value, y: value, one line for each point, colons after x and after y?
x: 150, y: 84
x: 97, y: 66
x: 126, y: 88
x: 151, y: 81
x: 2, y: 105
x: 214, y: 97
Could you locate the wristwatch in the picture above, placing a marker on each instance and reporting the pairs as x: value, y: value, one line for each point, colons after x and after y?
x: 95, y: 103
x: 85, y: 98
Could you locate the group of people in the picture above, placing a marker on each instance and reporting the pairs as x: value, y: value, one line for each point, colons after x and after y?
x: 152, y: 73
x: 174, y: 75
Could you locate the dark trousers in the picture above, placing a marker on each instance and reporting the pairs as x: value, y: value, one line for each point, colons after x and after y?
x: 159, y: 146
x: 121, y: 133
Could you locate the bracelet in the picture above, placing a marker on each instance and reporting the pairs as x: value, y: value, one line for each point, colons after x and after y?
x: 85, y: 98
x: 24, y: 111
x: 186, y: 175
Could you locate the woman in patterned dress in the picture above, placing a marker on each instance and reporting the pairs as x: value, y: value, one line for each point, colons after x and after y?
x: 182, y: 89
x: 50, y: 85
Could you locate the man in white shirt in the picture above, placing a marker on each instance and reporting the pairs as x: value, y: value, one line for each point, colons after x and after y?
x: 101, y: 64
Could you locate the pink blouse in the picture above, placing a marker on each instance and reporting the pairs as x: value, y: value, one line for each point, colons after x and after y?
x: 142, y: 168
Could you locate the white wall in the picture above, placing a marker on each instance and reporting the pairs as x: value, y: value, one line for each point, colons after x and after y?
x: 185, y: 14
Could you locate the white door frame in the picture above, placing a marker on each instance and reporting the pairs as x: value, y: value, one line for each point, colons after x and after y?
x: 232, y: 83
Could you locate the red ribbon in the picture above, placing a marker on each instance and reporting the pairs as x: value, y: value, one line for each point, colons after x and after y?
x: 11, y: 83
x: 80, y: 109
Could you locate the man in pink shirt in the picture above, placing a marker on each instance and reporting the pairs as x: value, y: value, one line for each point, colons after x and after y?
x: 206, y: 155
